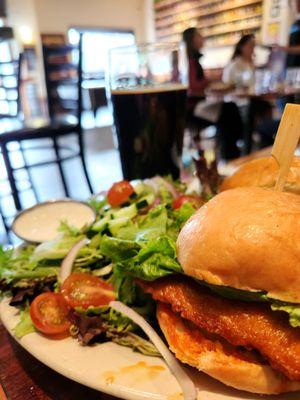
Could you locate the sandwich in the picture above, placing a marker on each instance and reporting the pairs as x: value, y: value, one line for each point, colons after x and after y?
x: 234, y: 313
x: 262, y: 172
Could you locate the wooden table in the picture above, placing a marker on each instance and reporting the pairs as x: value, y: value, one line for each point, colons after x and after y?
x: 252, y: 97
x: 22, y: 377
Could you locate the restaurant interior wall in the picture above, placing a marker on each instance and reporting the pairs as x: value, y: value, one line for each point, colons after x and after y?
x: 57, y: 16
x: 35, y: 17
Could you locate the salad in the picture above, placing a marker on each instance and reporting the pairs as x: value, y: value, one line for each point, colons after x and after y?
x: 63, y: 286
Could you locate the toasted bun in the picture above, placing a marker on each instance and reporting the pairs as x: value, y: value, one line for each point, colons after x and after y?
x: 241, y: 370
x: 246, y: 238
x: 262, y: 172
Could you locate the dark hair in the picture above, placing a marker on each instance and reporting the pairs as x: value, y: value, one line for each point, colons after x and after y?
x: 240, y: 44
x: 187, y: 37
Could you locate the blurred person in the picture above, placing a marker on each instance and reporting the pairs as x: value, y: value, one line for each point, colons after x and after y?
x: 240, y: 71
x: 227, y: 119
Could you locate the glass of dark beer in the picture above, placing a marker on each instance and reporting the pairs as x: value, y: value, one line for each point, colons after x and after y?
x: 148, y: 94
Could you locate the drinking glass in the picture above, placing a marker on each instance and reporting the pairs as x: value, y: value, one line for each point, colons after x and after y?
x: 292, y: 78
x: 263, y: 81
x: 148, y: 85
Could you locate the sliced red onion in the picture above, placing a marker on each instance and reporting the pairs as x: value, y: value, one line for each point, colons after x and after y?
x: 68, y: 261
x: 156, y: 202
x: 187, y: 385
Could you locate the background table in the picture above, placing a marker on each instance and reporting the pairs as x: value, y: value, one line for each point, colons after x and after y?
x: 252, y: 98
x: 22, y: 377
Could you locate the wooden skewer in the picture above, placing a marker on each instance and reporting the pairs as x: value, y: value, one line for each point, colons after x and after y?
x: 286, y: 141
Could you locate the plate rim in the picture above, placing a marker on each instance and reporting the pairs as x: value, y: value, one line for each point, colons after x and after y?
x: 120, y: 392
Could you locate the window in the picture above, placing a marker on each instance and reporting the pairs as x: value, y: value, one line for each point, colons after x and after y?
x: 8, y: 81
x: 96, y: 45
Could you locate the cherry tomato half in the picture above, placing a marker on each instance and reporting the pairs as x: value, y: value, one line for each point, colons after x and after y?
x: 196, y: 201
x: 84, y: 290
x: 49, y: 313
x: 119, y: 193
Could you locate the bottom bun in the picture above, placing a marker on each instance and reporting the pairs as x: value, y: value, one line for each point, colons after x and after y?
x: 240, y: 369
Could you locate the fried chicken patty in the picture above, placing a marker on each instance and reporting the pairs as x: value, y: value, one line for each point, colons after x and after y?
x: 251, y: 325
x: 232, y: 365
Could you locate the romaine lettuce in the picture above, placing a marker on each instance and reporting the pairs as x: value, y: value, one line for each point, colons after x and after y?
x: 152, y: 225
x: 55, y: 249
x: 156, y: 259
x: 118, y: 249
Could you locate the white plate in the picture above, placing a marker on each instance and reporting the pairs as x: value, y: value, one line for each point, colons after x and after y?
x: 117, y: 370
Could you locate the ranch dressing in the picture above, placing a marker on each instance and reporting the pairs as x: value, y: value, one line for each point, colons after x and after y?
x: 41, y: 223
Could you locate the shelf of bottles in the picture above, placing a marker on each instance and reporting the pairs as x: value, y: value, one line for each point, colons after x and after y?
x: 61, y: 78
x: 221, y: 21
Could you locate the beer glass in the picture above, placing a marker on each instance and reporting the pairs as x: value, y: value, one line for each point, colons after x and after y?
x: 148, y: 94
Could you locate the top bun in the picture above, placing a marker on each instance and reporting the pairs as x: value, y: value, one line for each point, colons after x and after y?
x: 262, y: 172
x: 246, y: 238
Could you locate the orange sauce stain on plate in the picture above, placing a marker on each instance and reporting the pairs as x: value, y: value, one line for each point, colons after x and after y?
x: 175, y: 396
x: 136, y: 372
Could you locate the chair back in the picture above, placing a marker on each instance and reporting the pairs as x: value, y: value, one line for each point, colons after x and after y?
x: 19, y: 82
x: 79, y: 82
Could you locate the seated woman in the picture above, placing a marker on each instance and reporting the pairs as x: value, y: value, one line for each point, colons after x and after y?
x: 229, y: 124
x: 240, y: 72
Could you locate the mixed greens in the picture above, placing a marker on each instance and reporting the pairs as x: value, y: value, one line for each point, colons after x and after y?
x: 135, y: 239
x: 132, y: 240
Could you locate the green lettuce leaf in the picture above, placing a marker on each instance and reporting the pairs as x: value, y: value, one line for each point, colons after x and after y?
x: 18, y: 264
x: 25, y: 325
x: 40, y: 272
x: 52, y: 251
x: 156, y: 259
x: 183, y: 214
x: 55, y: 249
x: 118, y: 249
x: 164, y: 194
x: 98, y: 204
x: 125, y: 287
x: 177, y: 218
x: 293, y: 311
x: 162, y: 245
x: 156, y: 266
x: 153, y: 225
x: 68, y: 230
x: 128, y: 231
x: 5, y: 260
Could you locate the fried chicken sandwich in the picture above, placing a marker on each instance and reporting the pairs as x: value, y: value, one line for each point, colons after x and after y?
x: 235, y: 312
